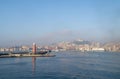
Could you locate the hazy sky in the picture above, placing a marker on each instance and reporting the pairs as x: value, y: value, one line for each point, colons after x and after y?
x: 47, y: 21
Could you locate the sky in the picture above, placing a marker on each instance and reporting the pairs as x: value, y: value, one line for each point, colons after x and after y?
x: 23, y: 22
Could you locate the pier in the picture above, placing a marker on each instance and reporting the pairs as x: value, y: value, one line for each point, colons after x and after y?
x: 26, y: 55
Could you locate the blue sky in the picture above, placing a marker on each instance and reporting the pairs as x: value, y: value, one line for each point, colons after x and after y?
x: 48, y: 21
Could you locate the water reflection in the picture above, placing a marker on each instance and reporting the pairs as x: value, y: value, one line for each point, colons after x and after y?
x: 33, y: 64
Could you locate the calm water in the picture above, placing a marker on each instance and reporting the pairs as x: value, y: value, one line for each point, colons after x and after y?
x: 66, y: 65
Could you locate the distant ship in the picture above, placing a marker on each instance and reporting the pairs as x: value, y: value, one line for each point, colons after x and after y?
x: 43, y: 52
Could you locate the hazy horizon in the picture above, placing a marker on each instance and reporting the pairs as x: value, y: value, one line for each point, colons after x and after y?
x: 49, y: 21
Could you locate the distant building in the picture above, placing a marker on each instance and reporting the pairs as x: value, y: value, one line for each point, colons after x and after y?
x: 2, y: 49
x: 98, y: 49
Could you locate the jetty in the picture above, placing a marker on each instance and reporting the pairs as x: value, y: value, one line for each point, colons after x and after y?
x: 25, y: 55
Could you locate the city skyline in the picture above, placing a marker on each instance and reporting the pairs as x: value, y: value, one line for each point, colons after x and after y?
x: 49, y: 21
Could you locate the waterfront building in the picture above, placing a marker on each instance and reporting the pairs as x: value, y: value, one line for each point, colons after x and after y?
x: 2, y: 49
x: 98, y: 49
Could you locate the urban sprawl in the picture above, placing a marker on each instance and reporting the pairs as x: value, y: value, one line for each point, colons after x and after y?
x: 77, y: 45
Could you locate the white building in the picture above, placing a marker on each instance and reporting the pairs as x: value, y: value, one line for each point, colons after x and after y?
x: 98, y: 49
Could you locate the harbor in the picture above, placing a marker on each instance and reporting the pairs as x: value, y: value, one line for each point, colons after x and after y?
x: 34, y: 53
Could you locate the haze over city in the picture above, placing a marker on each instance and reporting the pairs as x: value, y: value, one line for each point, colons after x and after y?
x: 49, y: 21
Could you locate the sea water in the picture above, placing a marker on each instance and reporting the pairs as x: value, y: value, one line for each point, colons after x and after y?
x: 65, y: 65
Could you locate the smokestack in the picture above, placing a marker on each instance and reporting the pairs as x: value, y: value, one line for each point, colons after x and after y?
x: 34, y: 48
